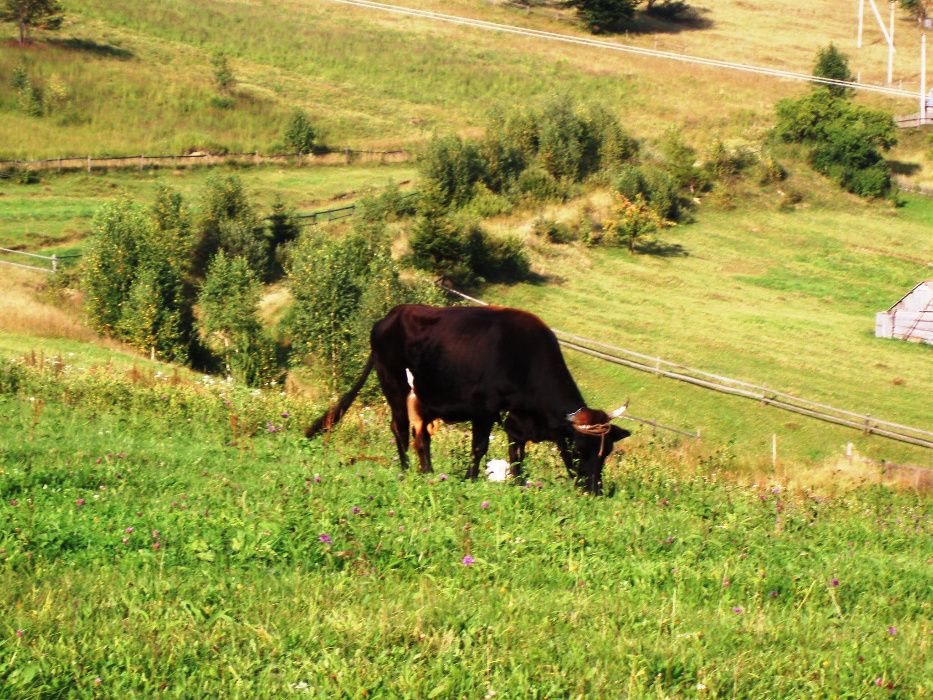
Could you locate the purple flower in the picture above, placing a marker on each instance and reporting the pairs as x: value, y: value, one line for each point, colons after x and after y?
x: 468, y: 560
x: 325, y: 539
x: 20, y: 633
x: 80, y: 502
x: 484, y: 505
x: 879, y: 682
x: 12, y: 501
x: 443, y: 477
x: 773, y: 594
x: 391, y: 513
x: 834, y: 583
x: 317, y: 478
x: 355, y: 510
x: 285, y: 414
x: 128, y: 530
x: 97, y: 681
x: 892, y: 631
x: 270, y: 428
x: 737, y: 610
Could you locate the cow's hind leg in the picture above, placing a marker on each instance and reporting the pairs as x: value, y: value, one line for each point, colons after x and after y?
x: 517, y: 444
x: 400, y: 431
x: 481, y: 428
x: 395, y: 389
x: 423, y: 446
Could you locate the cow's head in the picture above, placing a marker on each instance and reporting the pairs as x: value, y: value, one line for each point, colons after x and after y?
x: 593, y: 438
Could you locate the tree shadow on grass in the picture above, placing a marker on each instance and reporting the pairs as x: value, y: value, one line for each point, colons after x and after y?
x: 662, y: 250
x: 694, y: 19
x: 899, y: 167
x: 90, y: 46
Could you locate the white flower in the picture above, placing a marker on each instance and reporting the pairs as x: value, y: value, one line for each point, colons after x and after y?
x: 701, y: 687
x: 497, y: 469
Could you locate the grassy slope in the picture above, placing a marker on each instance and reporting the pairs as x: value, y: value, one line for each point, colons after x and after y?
x: 785, y: 299
x: 56, y: 212
x: 665, y: 586
x: 370, y: 78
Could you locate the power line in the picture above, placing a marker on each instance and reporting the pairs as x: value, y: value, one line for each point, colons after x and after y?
x: 623, y: 48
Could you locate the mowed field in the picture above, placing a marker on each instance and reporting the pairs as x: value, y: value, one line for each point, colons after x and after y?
x: 370, y: 78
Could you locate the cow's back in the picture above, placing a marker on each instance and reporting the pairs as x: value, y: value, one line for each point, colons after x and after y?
x: 476, y: 359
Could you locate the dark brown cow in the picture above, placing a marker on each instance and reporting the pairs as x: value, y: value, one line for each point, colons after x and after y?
x: 485, y: 365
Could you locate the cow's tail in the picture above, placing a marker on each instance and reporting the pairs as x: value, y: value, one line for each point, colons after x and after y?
x: 335, y: 412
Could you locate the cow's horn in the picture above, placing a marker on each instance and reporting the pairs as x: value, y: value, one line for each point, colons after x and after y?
x: 618, y: 412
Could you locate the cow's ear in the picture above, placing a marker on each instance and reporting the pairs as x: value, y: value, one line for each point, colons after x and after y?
x: 617, y: 433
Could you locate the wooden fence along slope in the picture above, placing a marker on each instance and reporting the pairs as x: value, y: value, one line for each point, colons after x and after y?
x: 343, y: 156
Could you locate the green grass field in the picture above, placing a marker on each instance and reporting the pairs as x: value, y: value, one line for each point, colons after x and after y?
x: 55, y: 214
x: 137, y: 558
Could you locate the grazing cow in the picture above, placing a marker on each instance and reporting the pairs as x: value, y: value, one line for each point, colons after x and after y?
x: 486, y: 365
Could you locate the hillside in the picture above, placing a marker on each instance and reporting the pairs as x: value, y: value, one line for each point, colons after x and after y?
x: 374, y: 79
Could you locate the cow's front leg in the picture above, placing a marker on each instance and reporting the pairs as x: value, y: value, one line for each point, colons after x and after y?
x: 422, y: 441
x: 481, y: 429
x: 516, y: 457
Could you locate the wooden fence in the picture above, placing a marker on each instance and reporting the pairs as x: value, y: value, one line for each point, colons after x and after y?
x: 53, y: 261
x: 343, y: 156
x: 867, y: 424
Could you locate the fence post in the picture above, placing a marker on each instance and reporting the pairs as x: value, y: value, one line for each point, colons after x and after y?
x: 89, y: 163
x: 348, y: 156
x: 54, y: 263
x: 142, y: 161
x: 774, y: 451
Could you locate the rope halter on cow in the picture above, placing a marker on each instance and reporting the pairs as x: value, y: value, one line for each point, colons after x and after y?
x: 599, y: 430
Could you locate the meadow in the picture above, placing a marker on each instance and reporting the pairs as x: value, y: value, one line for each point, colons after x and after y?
x: 234, y: 558
x: 330, y: 60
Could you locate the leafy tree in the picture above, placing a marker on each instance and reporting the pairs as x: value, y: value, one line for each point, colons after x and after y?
x: 450, y: 168
x: 632, y: 221
x: 229, y: 222
x: 846, y: 141
x: 134, y: 287
x: 300, y: 135
x: 680, y: 161
x: 832, y: 63
x: 605, y: 16
x: 32, y: 14
x: 229, y: 321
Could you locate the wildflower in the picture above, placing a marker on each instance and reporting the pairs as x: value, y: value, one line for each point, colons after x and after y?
x: 355, y: 510
x: 125, y: 540
x: 701, y: 687
x: 156, y: 545
x: 773, y: 594
x: 20, y: 633
x: 317, y: 478
x: 155, y: 534
x: 128, y: 530
x: 737, y: 610
x: 391, y: 513
x: 726, y: 582
x: 443, y: 477
x: 484, y: 505
x: 325, y: 539
x: 12, y: 501
x: 80, y: 502
x: 879, y: 682
x: 97, y: 681
x: 834, y: 583
x: 892, y: 631
x: 285, y: 414
x: 468, y: 560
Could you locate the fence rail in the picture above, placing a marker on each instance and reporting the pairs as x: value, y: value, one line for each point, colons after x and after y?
x: 768, y: 397
x: 342, y: 156
x: 53, y: 260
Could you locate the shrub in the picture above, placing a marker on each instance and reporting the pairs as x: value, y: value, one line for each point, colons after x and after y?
x: 224, y: 79
x: 539, y: 185
x: 631, y: 222
x: 229, y: 321
x: 654, y: 185
x: 844, y: 139
x: 228, y: 222
x: 300, y: 135
x: 832, y: 63
x: 553, y: 231
x: 465, y: 256
x: 680, y: 163
x: 601, y: 16
x: 134, y: 286
x: 450, y: 168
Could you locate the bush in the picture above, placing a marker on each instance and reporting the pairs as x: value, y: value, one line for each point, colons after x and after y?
x: 341, y: 286
x: 601, y: 16
x: 671, y: 10
x: 844, y: 139
x: 300, y: 136
x: 228, y: 222
x: 229, y: 321
x: 680, y: 163
x: 553, y: 231
x: 465, y: 256
x: 134, y: 285
x: 654, y: 185
x: 539, y: 185
x: 832, y: 63
x: 450, y: 168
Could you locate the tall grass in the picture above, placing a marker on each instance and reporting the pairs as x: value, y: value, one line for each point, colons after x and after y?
x: 145, y: 552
